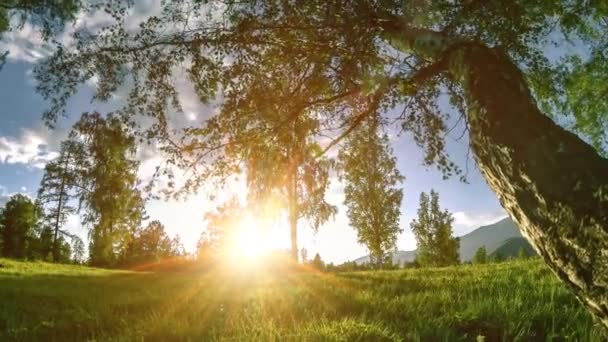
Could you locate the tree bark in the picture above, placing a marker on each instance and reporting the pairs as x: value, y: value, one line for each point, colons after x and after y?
x: 553, y: 184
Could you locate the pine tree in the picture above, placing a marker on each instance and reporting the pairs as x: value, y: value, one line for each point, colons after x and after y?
x: 371, y: 193
x: 60, y: 185
x: 433, y: 231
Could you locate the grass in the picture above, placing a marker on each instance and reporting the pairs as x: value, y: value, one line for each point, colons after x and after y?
x: 519, y: 300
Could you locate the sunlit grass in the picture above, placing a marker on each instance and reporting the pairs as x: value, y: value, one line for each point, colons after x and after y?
x: 510, y: 301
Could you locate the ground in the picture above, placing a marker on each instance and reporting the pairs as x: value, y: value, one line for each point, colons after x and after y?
x: 518, y: 300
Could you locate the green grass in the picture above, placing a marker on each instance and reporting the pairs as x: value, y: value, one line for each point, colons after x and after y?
x: 510, y: 301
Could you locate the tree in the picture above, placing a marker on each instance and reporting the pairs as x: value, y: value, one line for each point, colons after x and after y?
x: 59, y: 185
x: 522, y: 254
x: 481, y: 256
x: 433, y: 231
x: 78, y: 254
x: 317, y: 262
x: 498, y: 257
x: 221, y: 225
x: 18, y: 221
x: 151, y: 244
x: 304, y: 255
x: 370, y: 57
x: 114, y: 206
x: 370, y: 194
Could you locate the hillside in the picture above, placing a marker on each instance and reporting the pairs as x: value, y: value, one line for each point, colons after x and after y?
x: 511, y: 247
x: 491, y: 236
x: 518, y: 300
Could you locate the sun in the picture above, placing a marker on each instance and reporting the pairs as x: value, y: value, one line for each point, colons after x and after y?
x: 251, y: 240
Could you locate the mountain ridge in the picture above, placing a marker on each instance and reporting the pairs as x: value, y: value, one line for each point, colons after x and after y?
x: 502, y: 236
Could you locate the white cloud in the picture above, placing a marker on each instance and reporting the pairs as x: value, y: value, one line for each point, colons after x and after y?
x: 465, y: 222
x: 24, y: 44
x: 30, y: 148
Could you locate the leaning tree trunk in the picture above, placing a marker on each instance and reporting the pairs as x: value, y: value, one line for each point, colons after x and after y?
x: 554, y: 185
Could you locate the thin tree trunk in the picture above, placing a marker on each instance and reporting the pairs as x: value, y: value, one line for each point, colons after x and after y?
x: 553, y: 184
x: 293, y: 208
x: 59, y: 208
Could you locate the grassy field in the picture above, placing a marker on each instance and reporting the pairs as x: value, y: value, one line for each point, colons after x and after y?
x: 510, y: 301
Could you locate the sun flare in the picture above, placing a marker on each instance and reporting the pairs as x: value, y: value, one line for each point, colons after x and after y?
x: 252, y: 240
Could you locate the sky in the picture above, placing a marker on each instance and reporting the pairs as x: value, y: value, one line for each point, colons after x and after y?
x: 26, y: 145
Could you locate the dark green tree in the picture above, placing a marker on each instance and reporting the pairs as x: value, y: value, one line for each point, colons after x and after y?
x: 371, y: 195
x: 489, y: 57
x: 317, y: 263
x: 433, y: 231
x: 41, y: 243
x: 150, y: 244
x: 481, y: 256
x: 78, y: 251
x: 522, y: 254
x: 18, y: 221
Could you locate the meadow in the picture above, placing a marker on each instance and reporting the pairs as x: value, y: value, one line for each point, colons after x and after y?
x: 516, y: 300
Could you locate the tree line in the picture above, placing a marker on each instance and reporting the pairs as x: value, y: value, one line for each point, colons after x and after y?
x: 94, y: 176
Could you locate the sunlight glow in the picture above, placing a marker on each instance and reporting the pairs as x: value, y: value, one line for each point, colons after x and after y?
x: 253, y: 239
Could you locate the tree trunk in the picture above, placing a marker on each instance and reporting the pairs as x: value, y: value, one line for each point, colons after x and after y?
x: 553, y: 184
x: 59, y: 208
x: 292, y: 195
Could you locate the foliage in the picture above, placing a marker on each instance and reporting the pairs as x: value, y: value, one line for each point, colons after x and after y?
x: 317, y: 262
x: 48, y: 16
x: 370, y: 193
x: 78, y: 255
x: 433, y: 231
x: 221, y: 225
x: 338, y: 67
x: 519, y: 300
x: 61, y: 184
x: 113, y: 204
x: 522, y: 254
x: 149, y: 245
x: 18, y: 222
x: 481, y: 256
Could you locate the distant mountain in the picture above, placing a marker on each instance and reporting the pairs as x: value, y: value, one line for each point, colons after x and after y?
x: 503, y: 235
x: 511, y: 247
x: 491, y: 236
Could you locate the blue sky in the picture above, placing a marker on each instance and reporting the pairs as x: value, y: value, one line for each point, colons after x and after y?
x: 25, y: 145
